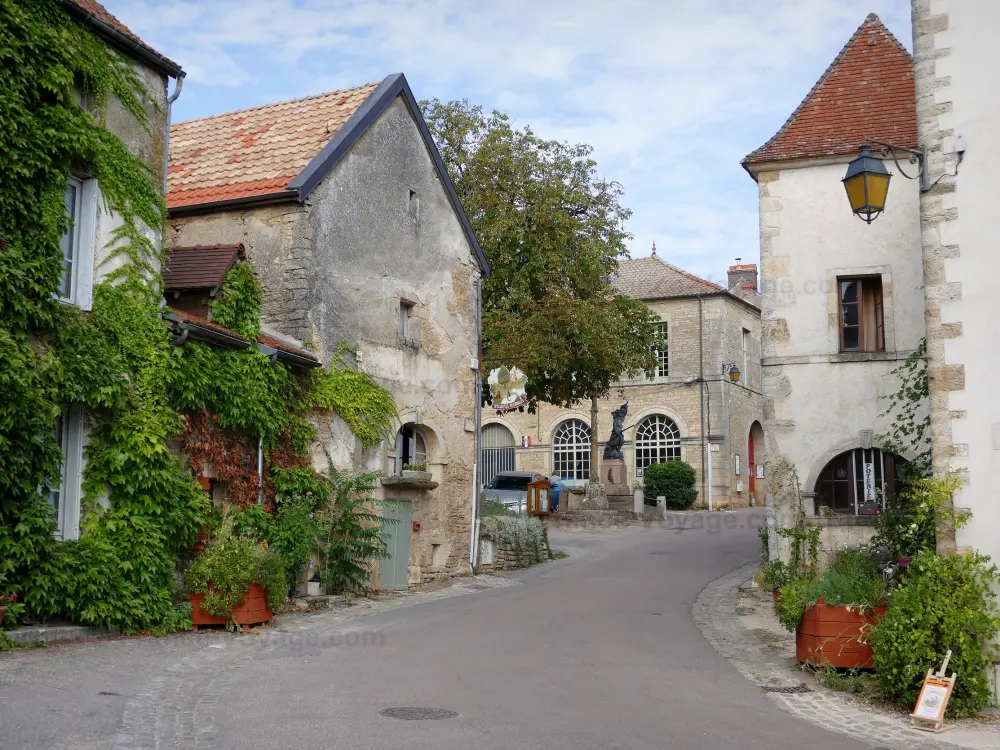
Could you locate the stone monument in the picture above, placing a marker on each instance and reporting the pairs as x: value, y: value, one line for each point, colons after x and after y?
x: 613, y: 472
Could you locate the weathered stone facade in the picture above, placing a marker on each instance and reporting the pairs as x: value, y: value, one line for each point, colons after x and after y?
x: 376, y: 260
x: 704, y: 335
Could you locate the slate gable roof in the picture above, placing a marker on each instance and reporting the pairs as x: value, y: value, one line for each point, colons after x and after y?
x: 283, y: 151
x: 652, y: 278
x: 867, y: 91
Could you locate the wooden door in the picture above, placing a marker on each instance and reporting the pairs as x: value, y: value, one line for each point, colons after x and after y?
x: 394, y: 571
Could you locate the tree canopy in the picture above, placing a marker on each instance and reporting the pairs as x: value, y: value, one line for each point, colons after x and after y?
x: 553, y: 232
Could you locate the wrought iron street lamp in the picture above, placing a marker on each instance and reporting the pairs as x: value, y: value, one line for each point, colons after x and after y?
x: 733, y: 371
x: 867, y: 179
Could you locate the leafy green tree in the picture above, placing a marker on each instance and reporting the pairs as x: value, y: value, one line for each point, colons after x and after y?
x: 553, y: 232
x: 672, y: 480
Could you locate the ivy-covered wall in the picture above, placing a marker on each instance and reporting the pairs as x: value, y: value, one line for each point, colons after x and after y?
x: 142, y: 394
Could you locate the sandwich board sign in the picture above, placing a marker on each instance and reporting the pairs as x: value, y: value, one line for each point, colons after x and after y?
x: 928, y: 714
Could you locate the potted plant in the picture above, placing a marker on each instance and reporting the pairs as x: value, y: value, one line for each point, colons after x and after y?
x: 416, y: 472
x: 236, y: 581
x: 833, y: 615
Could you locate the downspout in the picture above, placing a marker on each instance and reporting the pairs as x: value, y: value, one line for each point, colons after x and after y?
x: 260, y: 469
x: 708, y: 434
x: 474, y: 531
x: 166, y: 133
x: 701, y: 395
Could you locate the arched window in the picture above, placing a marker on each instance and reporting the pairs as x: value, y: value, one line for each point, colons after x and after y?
x: 859, y: 482
x: 411, y: 448
x: 571, y: 450
x: 497, y: 452
x: 657, y: 439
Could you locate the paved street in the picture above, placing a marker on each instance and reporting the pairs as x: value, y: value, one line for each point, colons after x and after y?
x: 598, y: 650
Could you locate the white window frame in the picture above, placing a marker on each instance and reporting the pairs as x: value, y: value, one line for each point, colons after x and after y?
x: 661, y: 348
x: 66, y: 497
x: 569, y: 450
x: 415, y: 449
x: 657, y: 439
x: 83, y: 231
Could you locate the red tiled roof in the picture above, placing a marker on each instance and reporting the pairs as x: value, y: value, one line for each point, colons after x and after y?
x: 100, y: 13
x: 271, y: 341
x: 653, y: 278
x: 867, y: 91
x: 254, y: 152
x: 199, y: 267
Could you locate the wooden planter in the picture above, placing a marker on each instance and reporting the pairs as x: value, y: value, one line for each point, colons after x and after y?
x: 3, y: 613
x: 832, y: 636
x: 252, y: 611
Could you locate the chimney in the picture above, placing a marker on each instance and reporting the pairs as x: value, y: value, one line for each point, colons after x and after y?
x: 743, y: 277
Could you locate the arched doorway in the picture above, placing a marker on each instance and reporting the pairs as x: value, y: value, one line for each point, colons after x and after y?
x: 571, y: 450
x: 497, y: 452
x: 859, y: 482
x: 755, y: 455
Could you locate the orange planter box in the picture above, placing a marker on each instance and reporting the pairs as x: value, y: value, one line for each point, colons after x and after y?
x: 252, y: 611
x: 832, y: 636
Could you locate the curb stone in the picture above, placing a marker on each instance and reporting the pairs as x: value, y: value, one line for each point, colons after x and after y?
x: 715, y: 614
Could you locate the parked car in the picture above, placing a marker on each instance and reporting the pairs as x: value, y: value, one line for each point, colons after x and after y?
x: 511, y: 488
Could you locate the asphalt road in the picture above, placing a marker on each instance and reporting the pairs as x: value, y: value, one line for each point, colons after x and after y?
x: 595, y: 651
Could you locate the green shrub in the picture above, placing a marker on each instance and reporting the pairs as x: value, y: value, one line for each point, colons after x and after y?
x: 942, y: 603
x: 494, y: 508
x: 673, y: 480
x: 909, y: 524
x: 351, y: 537
x: 775, y: 574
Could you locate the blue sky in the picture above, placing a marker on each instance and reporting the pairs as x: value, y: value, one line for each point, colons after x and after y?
x: 670, y: 93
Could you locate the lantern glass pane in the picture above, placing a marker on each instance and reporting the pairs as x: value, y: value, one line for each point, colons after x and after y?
x: 878, y: 188
x: 856, y: 191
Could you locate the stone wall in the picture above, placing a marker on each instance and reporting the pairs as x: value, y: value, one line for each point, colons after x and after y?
x: 729, y: 408
x: 377, y: 235
x: 508, y: 542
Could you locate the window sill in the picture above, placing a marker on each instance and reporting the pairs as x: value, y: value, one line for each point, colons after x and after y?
x: 859, y: 356
x: 416, y: 483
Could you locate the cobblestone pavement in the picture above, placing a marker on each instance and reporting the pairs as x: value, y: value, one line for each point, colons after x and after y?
x: 727, y: 611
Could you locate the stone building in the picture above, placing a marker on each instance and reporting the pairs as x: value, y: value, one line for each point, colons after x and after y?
x: 958, y: 119
x: 88, y: 257
x: 347, y: 213
x: 690, y: 409
x: 843, y: 301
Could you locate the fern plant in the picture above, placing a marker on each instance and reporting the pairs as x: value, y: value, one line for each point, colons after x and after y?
x: 352, y: 536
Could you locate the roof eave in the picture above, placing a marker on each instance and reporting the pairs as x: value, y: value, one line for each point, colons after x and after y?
x: 356, y: 126
x: 723, y: 293
x: 208, y: 335
x: 285, y: 196
x: 120, y: 40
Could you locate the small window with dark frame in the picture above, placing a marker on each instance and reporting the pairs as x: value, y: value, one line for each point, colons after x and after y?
x: 661, y: 350
x: 862, y: 319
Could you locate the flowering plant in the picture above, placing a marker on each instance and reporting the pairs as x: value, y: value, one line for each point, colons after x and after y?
x: 8, y: 603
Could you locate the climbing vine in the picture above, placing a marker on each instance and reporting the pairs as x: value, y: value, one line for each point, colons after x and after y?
x: 909, y: 430
x: 142, y: 393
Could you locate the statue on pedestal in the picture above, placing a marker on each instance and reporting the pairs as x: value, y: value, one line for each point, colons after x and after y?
x: 613, y: 448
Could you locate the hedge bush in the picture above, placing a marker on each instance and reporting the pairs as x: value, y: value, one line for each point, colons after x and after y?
x: 673, y: 480
x: 942, y: 603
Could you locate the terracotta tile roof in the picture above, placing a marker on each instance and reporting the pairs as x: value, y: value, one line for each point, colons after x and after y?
x: 271, y: 341
x: 100, y: 13
x: 867, y: 91
x: 254, y: 152
x: 652, y: 278
x: 199, y: 267
x: 744, y: 267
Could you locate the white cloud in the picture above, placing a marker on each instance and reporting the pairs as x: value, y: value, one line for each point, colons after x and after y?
x: 671, y: 93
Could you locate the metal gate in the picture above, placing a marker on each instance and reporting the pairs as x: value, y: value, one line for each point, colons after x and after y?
x: 394, y: 571
x: 497, y: 452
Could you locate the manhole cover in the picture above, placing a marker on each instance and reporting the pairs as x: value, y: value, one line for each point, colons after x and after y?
x: 800, y: 688
x: 414, y: 713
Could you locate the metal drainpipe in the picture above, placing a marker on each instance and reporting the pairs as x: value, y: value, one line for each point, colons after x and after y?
x: 701, y: 396
x: 708, y: 437
x: 474, y: 531
x: 260, y: 469
x: 166, y: 134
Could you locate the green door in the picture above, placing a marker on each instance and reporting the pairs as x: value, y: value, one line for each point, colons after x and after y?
x: 394, y: 570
